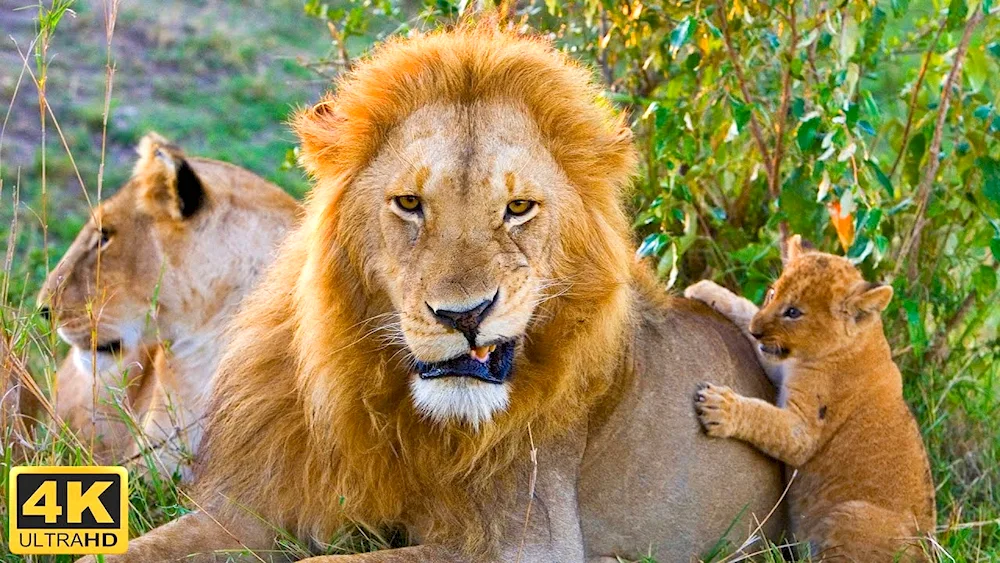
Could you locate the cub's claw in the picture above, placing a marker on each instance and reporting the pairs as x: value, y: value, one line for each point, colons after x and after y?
x: 715, y: 406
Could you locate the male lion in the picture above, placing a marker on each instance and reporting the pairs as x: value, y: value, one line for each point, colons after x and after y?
x: 457, y: 343
x: 145, y: 291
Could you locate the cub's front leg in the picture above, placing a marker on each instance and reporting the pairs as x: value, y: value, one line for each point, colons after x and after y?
x: 737, y: 309
x: 782, y: 433
x: 740, y: 311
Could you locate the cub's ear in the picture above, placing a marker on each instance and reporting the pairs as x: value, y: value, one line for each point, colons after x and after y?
x: 168, y: 185
x: 868, y: 298
x: 793, y: 249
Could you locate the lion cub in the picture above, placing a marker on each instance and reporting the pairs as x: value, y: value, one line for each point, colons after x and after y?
x: 863, y: 491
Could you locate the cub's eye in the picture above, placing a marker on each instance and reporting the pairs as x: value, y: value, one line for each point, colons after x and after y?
x: 409, y: 203
x: 792, y: 313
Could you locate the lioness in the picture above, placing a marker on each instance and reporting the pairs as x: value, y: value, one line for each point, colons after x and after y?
x: 863, y: 491
x: 166, y: 260
x: 457, y: 341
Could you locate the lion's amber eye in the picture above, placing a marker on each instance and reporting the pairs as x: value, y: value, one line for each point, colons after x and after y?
x: 409, y: 203
x: 520, y: 207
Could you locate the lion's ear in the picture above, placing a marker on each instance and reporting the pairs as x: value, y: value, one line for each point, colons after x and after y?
x: 168, y: 185
x: 868, y: 298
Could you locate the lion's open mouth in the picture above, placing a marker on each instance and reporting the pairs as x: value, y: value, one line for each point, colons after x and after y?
x: 491, y: 364
x: 773, y: 350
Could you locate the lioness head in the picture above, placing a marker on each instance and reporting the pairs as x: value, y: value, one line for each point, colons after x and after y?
x: 479, y: 208
x: 164, y: 256
x: 818, y: 306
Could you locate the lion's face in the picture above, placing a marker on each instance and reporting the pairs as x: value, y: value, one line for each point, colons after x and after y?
x: 464, y: 205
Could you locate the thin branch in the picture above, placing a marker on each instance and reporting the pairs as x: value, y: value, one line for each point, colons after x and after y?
x: 779, y: 132
x: 602, y: 51
x: 913, y: 100
x: 341, y: 40
x: 911, y: 247
x: 745, y: 91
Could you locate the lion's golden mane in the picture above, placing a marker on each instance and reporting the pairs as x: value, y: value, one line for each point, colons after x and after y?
x: 309, y: 404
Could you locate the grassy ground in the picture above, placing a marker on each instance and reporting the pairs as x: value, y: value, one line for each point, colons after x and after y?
x: 220, y: 77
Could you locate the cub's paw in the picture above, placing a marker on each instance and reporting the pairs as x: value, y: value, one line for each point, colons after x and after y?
x: 711, y: 294
x: 716, y: 409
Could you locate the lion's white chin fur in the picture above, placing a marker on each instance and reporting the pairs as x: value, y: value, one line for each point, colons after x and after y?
x: 459, y: 398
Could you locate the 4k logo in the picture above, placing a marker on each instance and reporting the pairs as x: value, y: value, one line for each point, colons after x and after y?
x: 68, y: 510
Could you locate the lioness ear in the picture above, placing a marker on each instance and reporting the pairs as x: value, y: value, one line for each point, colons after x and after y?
x: 868, y: 298
x: 168, y: 185
x: 793, y: 249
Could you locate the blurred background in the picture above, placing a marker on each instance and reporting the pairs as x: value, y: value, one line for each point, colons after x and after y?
x: 871, y: 127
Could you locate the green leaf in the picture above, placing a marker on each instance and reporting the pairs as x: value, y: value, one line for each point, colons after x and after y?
x: 918, y: 336
x: 985, y: 280
x: 652, y: 245
x: 798, y: 205
x: 795, y: 68
x: 899, y: 7
x: 798, y: 108
x: 991, y: 182
x: 882, y: 178
x: 851, y: 114
x: 995, y: 248
x: 860, y: 250
x: 872, y: 220
x: 806, y: 135
x: 977, y: 69
x: 871, y: 106
x: 849, y: 35
x: 914, y: 155
x: 741, y: 112
x: 957, y: 11
x: 680, y: 34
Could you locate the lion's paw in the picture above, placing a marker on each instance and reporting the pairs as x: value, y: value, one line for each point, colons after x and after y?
x: 716, y: 409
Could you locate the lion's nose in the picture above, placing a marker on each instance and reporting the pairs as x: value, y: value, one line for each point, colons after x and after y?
x: 466, y: 321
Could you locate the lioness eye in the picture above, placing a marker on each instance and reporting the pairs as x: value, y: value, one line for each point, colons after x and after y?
x: 792, y: 313
x: 104, y: 239
x: 409, y: 203
x: 520, y: 207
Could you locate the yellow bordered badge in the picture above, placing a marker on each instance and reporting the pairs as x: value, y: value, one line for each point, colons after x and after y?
x: 68, y: 510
